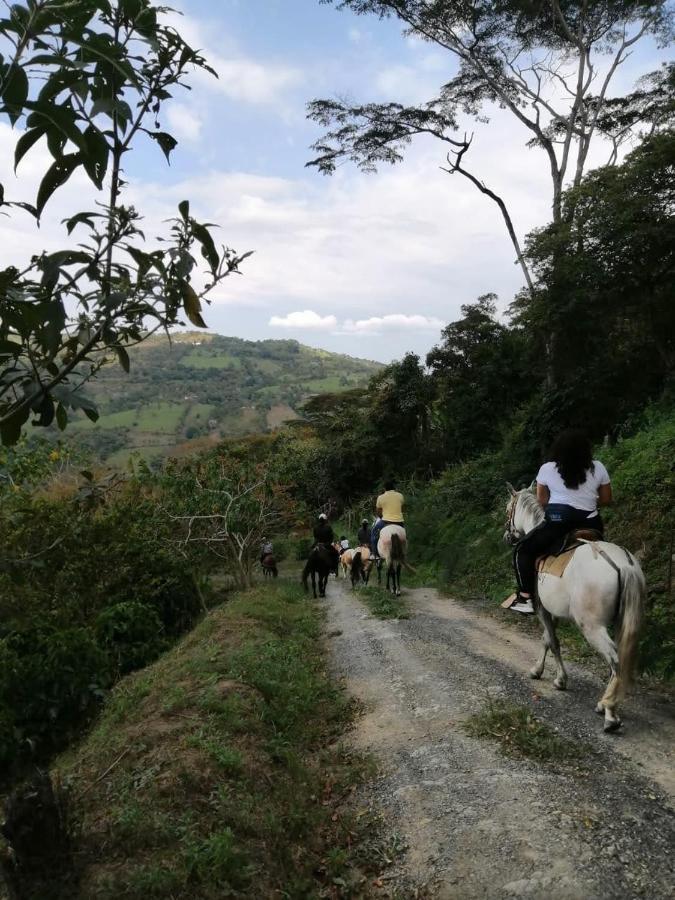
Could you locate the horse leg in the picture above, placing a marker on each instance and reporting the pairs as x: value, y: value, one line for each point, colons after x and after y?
x: 323, y: 582
x: 398, y: 580
x: 598, y: 637
x: 314, y: 582
x: 551, y: 639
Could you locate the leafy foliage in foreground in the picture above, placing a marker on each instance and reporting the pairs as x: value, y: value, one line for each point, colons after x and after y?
x: 91, y: 79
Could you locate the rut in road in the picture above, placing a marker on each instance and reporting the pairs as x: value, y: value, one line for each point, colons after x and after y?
x: 477, y: 824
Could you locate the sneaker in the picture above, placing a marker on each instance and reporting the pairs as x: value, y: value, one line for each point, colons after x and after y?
x: 524, y: 606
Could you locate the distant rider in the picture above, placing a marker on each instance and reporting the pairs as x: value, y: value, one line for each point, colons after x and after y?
x: 364, y: 534
x: 570, y: 487
x: 344, y: 544
x: 389, y: 508
x: 266, y: 549
x: 323, y: 534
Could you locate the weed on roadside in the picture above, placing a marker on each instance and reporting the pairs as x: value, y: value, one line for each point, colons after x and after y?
x: 520, y: 733
x: 384, y: 605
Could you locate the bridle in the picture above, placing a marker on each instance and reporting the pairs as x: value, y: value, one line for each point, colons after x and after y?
x: 512, y: 535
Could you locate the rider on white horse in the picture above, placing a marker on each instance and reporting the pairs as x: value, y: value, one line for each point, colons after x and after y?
x: 570, y: 487
x: 389, y: 508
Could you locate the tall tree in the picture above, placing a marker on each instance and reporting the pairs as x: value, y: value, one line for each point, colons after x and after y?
x: 481, y: 373
x: 90, y: 79
x: 550, y: 63
x: 606, y: 286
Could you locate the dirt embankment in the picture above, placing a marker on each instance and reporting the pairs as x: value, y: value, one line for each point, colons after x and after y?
x: 477, y: 824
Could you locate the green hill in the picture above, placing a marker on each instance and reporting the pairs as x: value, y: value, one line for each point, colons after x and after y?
x: 199, y: 388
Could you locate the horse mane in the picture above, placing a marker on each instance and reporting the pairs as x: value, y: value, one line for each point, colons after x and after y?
x: 531, y: 504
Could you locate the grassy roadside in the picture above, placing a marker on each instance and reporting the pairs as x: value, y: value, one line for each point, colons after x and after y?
x: 217, y: 771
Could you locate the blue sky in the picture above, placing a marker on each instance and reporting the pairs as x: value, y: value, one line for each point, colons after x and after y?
x: 372, y: 265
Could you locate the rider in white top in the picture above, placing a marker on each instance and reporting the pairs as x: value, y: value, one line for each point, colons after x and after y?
x: 570, y: 487
x: 584, y: 497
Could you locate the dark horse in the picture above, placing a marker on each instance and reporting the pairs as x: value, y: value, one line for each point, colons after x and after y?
x: 322, y: 561
x: 269, y: 566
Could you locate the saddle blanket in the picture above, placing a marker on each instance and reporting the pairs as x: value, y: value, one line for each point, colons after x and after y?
x: 556, y: 565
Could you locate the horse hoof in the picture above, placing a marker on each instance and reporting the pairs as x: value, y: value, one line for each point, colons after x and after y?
x: 612, y: 725
x: 600, y: 709
x: 535, y: 673
x: 560, y: 685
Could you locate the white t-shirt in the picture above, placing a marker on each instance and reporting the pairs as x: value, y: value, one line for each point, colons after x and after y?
x: 584, y: 497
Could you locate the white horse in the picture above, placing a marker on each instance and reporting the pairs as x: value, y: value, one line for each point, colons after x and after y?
x: 391, y: 547
x: 602, y: 584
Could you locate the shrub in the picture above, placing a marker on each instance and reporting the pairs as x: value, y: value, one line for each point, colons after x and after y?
x: 51, y: 678
x: 131, y: 634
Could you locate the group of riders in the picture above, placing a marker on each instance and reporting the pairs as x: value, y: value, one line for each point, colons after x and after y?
x: 570, y: 486
x: 388, y: 511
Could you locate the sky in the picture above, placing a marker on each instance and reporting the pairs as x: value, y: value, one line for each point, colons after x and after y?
x: 369, y: 265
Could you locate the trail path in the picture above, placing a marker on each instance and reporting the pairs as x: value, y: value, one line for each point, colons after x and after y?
x: 477, y: 824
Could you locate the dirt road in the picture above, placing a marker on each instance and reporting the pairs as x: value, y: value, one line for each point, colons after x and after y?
x: 477, y: 824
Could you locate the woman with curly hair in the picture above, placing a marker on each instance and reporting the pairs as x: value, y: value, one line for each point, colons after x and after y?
x: 570, y: 486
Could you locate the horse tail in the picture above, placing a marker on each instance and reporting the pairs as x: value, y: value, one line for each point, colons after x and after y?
x: 357, y: 565
x: 397, y: 552
x: 631, y: 612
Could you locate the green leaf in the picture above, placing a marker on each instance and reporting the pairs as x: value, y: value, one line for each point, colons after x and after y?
x: 209, y: 251
x: 25, y: 142
x: 91, y: 413
x: 61, y: 417
x: 96, y: 155
x: 10, y: 429
x: 165, y: 141
x: 10, y: 348
x: 15, y: 92
x: 57, y: 175
x: 192, y: 304
x: 86, y: 218
x: 123, y: 358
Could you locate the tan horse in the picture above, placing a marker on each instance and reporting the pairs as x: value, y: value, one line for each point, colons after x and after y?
x: 346, y: 562
x: 362, y: 563
x: 391, y: 547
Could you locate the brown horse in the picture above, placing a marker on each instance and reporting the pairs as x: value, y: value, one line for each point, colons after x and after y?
x: 269, y: 566
x: 322, y: 561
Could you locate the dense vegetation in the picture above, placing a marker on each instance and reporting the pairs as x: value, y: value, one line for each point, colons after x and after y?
x: 203, y: 387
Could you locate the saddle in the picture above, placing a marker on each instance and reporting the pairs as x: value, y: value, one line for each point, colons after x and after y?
x: 560, y: 555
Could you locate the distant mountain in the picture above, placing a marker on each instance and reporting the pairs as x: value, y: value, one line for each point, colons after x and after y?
x: 200, y: 387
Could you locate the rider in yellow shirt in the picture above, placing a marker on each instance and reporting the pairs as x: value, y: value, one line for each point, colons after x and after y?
x: 389, y: 508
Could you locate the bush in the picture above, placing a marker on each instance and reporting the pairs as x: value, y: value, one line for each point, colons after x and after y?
x: 50, y: 679
x: 131, y: 634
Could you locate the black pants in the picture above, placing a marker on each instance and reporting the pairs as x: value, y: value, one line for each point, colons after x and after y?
x: 539, y: 541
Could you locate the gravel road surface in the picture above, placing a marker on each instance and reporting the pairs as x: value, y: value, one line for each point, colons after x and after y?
x: 476, y: 824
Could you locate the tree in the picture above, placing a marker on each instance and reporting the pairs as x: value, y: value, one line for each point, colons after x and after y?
x: 225, y: 502
x: 481, y: 373
x: 550, y: 63
x: 90, y: 79
x: 605, y: 286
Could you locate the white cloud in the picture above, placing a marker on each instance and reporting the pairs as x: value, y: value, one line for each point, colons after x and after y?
x: 307, y: 319
x: 185, y: 123
x: 393, y: 322
x: 355, y: 35
x: 240, y: 77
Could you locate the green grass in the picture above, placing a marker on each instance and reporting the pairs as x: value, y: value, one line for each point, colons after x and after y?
x: 156, y: 417
x: 383, y: 604
x: 519, y: 733
x: 218, y: 771
x: 198, y: 415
